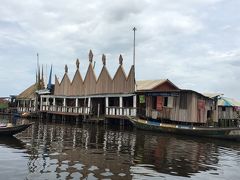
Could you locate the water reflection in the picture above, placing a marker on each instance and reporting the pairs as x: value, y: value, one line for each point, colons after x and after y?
x: 11, y: 142
x: 180, y: 157
x: 88, y: 152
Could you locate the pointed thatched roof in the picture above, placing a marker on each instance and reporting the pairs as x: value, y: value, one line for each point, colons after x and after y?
x: 29, y: 93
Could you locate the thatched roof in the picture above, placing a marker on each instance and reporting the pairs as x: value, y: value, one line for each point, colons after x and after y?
x: 28, y: 93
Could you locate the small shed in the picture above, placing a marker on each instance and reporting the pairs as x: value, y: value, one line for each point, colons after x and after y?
x: 228, y: 111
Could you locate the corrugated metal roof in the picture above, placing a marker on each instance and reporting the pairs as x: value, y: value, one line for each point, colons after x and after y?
x: 149, y: 84
x: 212, y: 95
x: 224, y: 101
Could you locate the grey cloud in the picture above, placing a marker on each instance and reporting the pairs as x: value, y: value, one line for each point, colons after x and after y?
x: 193, y: 43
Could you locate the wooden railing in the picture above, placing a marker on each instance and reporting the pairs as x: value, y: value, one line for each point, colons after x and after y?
x: 121, y: 111
x: 66, y: 109
x: 25, y: 109
x: 111, y: 111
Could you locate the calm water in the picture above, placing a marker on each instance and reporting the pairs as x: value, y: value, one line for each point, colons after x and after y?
x: 63, y: 151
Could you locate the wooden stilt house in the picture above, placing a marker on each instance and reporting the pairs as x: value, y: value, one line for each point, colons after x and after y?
x: 101, y: 96
x: 121, y: 96
x: 228, y: 110
x: 163, y: 101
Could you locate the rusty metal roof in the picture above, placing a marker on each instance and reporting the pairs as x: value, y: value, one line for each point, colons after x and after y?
x: 149, y: 84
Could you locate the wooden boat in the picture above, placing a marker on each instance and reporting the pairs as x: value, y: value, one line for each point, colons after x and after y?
x: 9, y: 131
x: 213, y: 132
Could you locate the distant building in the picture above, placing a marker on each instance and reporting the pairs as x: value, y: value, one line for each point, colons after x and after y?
x: 28, y: 100
x: 228, y: 110
x: 4, y: 103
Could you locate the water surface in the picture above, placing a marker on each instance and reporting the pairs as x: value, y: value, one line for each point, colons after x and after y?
x: 63, y: 151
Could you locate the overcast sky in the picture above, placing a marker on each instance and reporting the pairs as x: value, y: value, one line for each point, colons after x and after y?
x: 193, y: 43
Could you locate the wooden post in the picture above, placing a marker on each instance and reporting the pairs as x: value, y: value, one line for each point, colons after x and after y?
x: 89, y: 105
x: 107, y: 104
x: 120, y: 104
x: 76, y: 102
x: 76, y: 105
x: 64, y: 104
x: 134, y: 106
x: 64, y: 101
x: 54, y: 104
x: 54, y: 101
x: 41, y: 103
x: 47, y: 103
x: 98, y: 111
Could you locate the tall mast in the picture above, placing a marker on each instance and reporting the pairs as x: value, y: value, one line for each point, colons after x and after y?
x: 134, y: 41
x: 134, y: 31
x: 38, y: 73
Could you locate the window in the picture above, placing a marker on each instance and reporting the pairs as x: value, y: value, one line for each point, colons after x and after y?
x: 165, y: 101
x: 183, y: 100
x: 170, y: 101
x: 154, y: 102
x: 223, y: 108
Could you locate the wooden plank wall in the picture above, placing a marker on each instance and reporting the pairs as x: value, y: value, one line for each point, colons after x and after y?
x: 77, y: 87
x: 192, y: 114
x: 229, y: 113
x: 91, y: 85
x: 104, y: 82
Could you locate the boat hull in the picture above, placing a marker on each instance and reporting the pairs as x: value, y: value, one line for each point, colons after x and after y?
x: 10, y: 131
x: 223, y: 133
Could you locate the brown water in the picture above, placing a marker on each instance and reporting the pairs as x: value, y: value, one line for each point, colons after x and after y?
x: 64, y: 151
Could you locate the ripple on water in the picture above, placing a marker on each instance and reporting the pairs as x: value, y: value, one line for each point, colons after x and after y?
x: 93, y: 168
x: 107, y: 173
x: 78, y: 166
